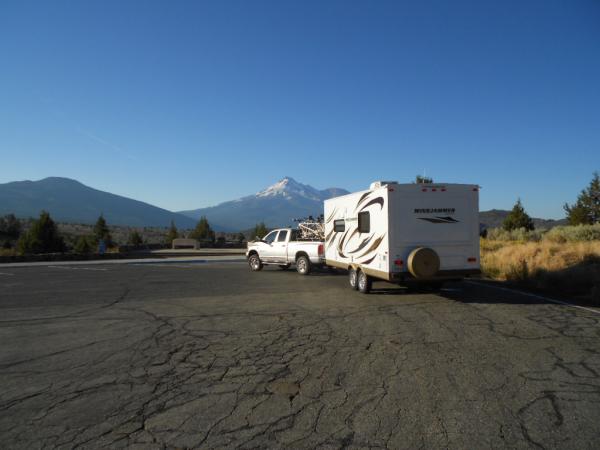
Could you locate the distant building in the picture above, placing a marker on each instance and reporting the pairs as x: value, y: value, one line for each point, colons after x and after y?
x: 186, y: 243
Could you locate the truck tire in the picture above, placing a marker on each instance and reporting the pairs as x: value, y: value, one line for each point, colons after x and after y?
x: 255, y: 263
x: 364, y: 283
x: 303, y: 265
x: 284, y: 266
x: 353, y: 278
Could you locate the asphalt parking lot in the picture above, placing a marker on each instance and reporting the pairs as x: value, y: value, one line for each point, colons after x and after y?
x: 214, y: 356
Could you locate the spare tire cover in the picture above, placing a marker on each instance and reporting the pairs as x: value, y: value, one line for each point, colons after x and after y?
x: 423, y: 262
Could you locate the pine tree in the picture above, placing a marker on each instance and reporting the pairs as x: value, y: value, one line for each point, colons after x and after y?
x: 172, y: 234
x: 203, y: 230
x: 518, y: 218
x: 84, y: 245
x: 42, y: 237
x: 135, y: 239
x: 260, y: 231
x: 10, y: 226
x: 101, y: 231
x: 586, y: 210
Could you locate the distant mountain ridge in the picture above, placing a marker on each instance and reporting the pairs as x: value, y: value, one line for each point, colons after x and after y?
x: 277, y: 206
x: 69, y: 200
x: 495, y: 217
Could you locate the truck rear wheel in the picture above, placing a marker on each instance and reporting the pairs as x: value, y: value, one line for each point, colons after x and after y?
x: 303, y: 265
x: 255, y: 263
x: 364, y: 283
x: 353, y: 278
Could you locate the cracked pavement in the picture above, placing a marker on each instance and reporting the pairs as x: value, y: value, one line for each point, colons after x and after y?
x: 215, y: 356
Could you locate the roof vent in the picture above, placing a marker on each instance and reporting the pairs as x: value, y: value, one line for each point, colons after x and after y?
x: 378, y: 184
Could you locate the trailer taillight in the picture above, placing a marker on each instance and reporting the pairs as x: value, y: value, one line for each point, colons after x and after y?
x: 472, y: 259
x: 398, y: 262
x: 320, y: 250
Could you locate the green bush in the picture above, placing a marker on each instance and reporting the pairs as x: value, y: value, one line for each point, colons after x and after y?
x: 519, y: 234
x: 576, y: 233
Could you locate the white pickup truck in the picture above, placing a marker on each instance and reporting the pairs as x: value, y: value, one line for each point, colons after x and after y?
x: 280, y: 247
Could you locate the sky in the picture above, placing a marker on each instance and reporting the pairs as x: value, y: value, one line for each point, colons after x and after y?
x: 189, y: 104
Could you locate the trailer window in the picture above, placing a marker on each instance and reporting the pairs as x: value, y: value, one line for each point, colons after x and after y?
x: 282, y: 236
x: 339, y: 225
x: 364, y: 222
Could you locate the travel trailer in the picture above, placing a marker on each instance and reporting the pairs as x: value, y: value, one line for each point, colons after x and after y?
x: 420, y: 234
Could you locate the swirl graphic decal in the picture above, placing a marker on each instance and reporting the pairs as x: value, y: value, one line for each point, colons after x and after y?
x: 331, y: 216
x: 341, y: 244
x: 373, y: 247
x: 362, y: 245
x: 368, y: 261
x: 375, y: 201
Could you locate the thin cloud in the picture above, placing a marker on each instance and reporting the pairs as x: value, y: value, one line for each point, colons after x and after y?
x: 93, y: 136
x: 106, y: 143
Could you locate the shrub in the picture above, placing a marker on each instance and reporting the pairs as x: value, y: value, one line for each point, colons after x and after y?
x: 518, y: 234
x: 574, y: 233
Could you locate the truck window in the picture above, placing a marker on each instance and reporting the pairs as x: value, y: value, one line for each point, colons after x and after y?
x: 364, y: 222
x: 294, y: 236
x: 339, y: 225
x: 269, y: 238
x: 282, y: 236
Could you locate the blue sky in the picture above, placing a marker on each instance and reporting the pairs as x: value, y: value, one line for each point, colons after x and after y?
x: 187, y: 104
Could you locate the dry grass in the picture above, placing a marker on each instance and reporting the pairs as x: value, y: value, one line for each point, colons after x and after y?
x: 567, y: 268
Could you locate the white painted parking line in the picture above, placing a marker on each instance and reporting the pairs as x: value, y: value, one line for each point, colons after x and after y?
x: 529, y: 294
x: 108, y: 262
x: 77, y: 268
x: 187, y: 265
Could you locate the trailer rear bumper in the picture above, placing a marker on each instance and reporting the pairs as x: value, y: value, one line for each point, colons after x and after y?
x: 440, y: 275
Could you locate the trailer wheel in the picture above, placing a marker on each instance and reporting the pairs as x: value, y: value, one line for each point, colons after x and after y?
x: 255, y: 263
x: 303, y: 265
x: 284, y: 266
x: 353, y: 278
x: 364, y: 283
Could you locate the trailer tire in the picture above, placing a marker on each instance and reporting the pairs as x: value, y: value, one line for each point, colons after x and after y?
x: 365, y: 282
x: 423, y: 262
x: 254, y: 262
x: 303, y: 266
x: 353, y: 278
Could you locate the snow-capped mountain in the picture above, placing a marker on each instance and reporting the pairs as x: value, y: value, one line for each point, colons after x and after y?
x: 288, y: 188
x: 277, y: 205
